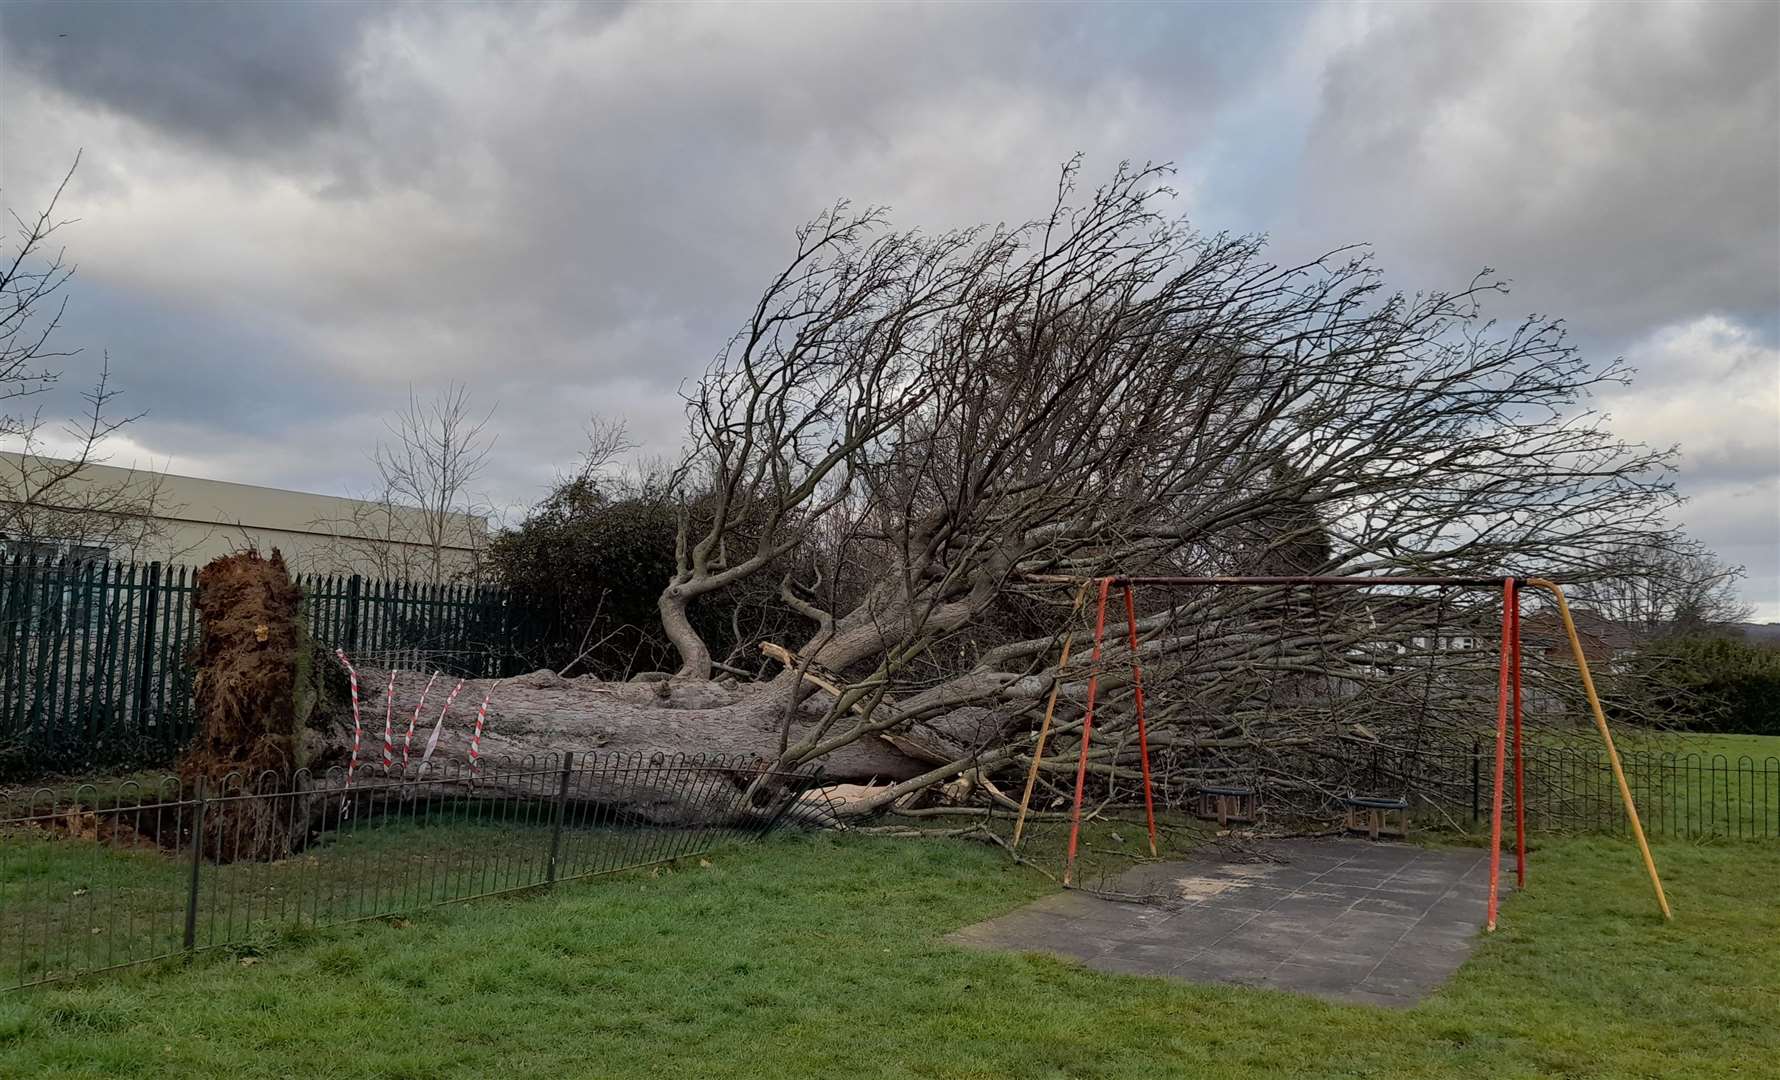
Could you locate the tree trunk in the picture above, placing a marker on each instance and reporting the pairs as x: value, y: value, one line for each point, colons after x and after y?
x: 674, y: 752
x: 543, y: 713
x: 695, y: 655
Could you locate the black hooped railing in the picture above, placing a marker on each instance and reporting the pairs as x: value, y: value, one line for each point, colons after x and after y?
x: 96, y: 877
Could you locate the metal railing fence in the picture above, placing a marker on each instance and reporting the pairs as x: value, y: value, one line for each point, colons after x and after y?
x: 1698, y: 796
x: 96, y: 877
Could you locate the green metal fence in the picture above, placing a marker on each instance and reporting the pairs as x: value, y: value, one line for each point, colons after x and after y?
x: 93, y: 654
x: 469, y: 630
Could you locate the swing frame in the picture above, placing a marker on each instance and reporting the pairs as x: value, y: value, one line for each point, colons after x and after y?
x: 1508, y: 704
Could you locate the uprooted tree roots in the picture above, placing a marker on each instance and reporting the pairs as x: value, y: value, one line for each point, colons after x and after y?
x: 246, y: 659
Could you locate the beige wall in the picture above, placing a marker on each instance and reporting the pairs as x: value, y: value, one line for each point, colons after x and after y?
x: 194, y: 520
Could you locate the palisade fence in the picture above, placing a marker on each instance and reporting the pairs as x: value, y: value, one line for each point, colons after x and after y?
x: 105, y: 876
x: 1570, y: 790
x: 93, y: 667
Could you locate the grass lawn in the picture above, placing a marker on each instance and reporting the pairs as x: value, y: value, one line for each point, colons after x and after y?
x: 820, y: 956
x: 69, y: 906
x: 1630, y: 739
x: 1731, y: 746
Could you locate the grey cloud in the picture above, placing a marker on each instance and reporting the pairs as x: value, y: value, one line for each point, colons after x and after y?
x: 609, y: 192
x: 248, y: 78
x: 570, y: 206
x: 1619, y: 162
x: 1621, y: 165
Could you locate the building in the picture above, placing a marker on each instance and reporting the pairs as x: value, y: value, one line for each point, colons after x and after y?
x: 1606, y: 643
x: 142, y: 516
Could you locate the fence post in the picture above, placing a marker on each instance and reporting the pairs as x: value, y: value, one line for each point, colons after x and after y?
x: 352, y: 591
x: 507, y: 665
x: 1476, y: 779
x: 191, y: 896
x: 145, y: 656
x: 562, y: 798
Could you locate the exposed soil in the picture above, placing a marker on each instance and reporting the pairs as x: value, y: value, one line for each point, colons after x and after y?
x: 78, y: 824
x: 246, y: 668
x: 246, y: 660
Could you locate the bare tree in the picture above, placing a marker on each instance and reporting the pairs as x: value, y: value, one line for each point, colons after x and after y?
x: 424, y: 521
x: 438, y: 452
x: 913, y: 433
x: 607, y: 440
x: 50, y: 492
x: 1665, y: 586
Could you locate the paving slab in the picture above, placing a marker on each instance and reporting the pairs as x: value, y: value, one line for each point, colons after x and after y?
x: 1355, y: 921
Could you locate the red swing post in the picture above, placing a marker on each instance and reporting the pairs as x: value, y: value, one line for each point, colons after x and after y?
x: 1507, y: 649
x: 1081, y: 765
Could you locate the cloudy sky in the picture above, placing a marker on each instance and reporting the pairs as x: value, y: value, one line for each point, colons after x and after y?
x: 290, y: 214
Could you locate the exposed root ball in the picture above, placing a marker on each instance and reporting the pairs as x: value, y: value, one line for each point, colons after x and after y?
x: 246, y: 664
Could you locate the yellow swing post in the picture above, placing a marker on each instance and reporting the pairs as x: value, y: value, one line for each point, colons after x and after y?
x: 1044, y: 727
x: 1594, y: 704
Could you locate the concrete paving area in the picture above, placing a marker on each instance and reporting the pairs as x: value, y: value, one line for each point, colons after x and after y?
x: 1346, y: 920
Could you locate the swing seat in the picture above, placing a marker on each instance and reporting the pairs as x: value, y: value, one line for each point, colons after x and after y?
x: 1226, y: 804
x: 1377, y: 816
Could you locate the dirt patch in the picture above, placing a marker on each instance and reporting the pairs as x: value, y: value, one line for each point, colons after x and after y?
x: 86, y: 825
x: 1196, y: 887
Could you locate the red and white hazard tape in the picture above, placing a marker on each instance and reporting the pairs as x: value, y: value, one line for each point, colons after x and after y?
x: 357, y: 727
x: 408, y: 736
x: 439, y: 726
x: 389, y: 705
x: 476, y: 735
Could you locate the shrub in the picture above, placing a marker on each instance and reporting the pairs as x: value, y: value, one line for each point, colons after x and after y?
x: 1718, y: 684
x: 591, y: 567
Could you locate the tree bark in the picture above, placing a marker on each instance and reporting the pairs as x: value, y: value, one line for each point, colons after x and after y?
x: 695, y: 655
x: 543, y: 713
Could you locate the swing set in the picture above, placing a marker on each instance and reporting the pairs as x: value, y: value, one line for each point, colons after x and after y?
x: 1508, y: 704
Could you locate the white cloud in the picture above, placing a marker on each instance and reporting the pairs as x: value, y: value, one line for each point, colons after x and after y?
x: 1712, y: 387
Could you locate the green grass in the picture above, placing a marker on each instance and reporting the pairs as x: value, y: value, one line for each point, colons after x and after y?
x: 1731, y: 746
x: 69, y: 906
x: 1630, y: 739
x: 822, y: 956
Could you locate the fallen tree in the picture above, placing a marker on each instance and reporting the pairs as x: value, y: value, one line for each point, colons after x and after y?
x: 543, y: 713
x: 913, y: 431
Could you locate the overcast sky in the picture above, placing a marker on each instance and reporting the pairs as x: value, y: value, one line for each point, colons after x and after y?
x: 291, y: 213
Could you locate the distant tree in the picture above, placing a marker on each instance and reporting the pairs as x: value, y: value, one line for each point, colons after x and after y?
x: 1664, y: 586
x: 589, y: 559
x: 1715, y: 683
x: 586, y: 563
x: 424, y: 512
x: 50, y: 494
